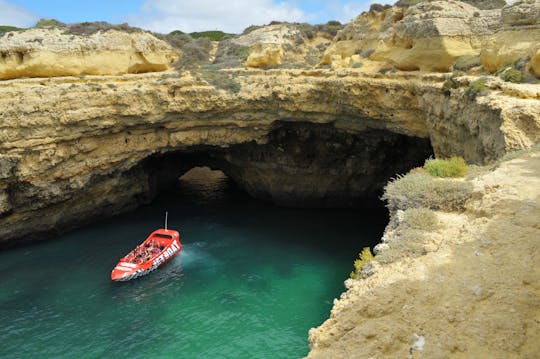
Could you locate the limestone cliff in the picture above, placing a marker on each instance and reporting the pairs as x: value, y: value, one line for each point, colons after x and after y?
x: 76, y: 148
x: 56, y: 52
x: 104, y: 157
x: 432, y: 35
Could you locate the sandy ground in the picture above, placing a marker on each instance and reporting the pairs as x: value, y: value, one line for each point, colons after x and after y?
x: 476, y: 296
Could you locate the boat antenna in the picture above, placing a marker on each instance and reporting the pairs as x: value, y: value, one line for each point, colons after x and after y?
x: 166, y: 215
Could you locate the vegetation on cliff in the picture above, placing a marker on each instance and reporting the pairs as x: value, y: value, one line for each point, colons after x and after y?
x: 437, y: 276
x: 364, y: 258
x: 418, y: 189
x: 453, y: 167
x: 4, y: 29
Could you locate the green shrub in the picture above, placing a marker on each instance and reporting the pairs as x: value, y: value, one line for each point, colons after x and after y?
x: 416, y: 190
x: 364, y: 258
x: 387, y: 69
x: 4, y: 29
x: 365, y: 53
x: 466, y: 62
x: 251, y: 28
x: 420, y: 218
x: 176, y: 32
x: 89, y: 28
x: 48, y: 24
x: 212, y: 35
x: 454, y: 167
x: 502, y: 69
x: 330, y: 29
x: 478, y: 87
x: 448, y: 85
x: 230, y: 54
x: 513, y: 75
x: 409, y: 244
x: 220, y: 79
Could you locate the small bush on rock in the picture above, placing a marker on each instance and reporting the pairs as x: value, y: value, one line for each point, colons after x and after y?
x: 513, y: 75
x: 448, y: 85
x: 220, y: 79
x: 215, y: 35
x: 409, y: 244
x: 364, y: 258
x: 4, y: 29
x: 466, y: 62
x: 49, y: 24
x: 416, y: 190
x: 420, y: 218
x: 365, y: 53
x: 478, y: 87
x: 454, y: 167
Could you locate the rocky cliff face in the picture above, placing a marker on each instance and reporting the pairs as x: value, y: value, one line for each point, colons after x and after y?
x: 294, y: 137
x: 432, y: 35
x: 56, y: 52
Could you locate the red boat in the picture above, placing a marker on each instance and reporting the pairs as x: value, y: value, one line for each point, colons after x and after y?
x: 160, y: 246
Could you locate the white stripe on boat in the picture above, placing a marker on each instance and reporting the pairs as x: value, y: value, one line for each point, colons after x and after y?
x: 126, y: 264
x: 124, y: 268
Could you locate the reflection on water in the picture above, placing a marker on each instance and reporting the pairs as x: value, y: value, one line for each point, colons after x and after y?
x: 250, y: 281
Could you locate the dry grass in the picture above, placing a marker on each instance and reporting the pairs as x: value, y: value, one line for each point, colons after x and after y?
x: 420, y: 218
x: 219, y: 79
x: 409, y: 244
x: 420, y: 190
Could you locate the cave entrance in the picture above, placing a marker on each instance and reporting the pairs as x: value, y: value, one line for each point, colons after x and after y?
x: 203, y: 175
x: 300, y: 165
x: 204, y: 184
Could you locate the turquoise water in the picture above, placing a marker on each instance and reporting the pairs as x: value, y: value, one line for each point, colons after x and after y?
x: 250, y: 281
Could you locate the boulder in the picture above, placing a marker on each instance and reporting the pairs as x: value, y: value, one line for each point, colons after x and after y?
x: 56, y: 52
x: 428, y: 36
x: 535, y: 63
x: 518, y: 35
x: 265, y: 55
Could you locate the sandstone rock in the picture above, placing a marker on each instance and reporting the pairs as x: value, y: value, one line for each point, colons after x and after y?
x: 432, y: 35
x: 428, y: 36
x: 521, y: 12
x: 289, y: 45
x: 264, y: 55
x: 535, y: 63
x: 480, y: 4
x: 7, y: 166
x: 52, y: 52
x: 518, y: 35
x: 272, y: 34
x: 5, y: 207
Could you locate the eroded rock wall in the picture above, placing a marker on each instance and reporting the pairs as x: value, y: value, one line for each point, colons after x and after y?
x: 432, y: 35
x: 316, y: 165
x: 75, y: 147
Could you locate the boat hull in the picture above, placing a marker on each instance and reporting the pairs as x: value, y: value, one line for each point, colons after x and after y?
x: 133, y: 265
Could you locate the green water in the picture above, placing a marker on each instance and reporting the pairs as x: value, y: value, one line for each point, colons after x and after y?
x: 250, y: 281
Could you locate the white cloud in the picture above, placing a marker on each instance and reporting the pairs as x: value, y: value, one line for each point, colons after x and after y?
x: 14, y: 15
x: 199, y: 15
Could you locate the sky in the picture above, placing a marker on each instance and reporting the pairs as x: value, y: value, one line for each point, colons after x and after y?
x: 186, y: 15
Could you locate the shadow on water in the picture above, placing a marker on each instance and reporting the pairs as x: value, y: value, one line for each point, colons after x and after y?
x: 251, y: 279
